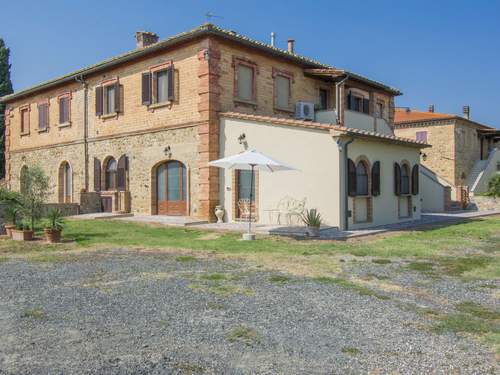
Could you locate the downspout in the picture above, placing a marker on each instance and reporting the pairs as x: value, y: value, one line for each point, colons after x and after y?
x: 340, y: 115
x: 85, y: 85
x: 345, y: 148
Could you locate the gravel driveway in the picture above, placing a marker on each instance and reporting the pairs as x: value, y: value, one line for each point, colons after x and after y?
x: 130, y: 312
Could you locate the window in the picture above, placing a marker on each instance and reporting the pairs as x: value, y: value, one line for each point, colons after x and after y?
x: 380, y: 109
x: 323, y: 99
x: 244, y: 185
x: 64, y: 109
x: 111, y: 172
x: 405, y: 179
x: 110, y: 99
x: 158, y: 86
x: 361, y: 179
x: 245, y: 81
x: 282, y: 87
x: 43, y: 116
x: 161, y: 83
x: 421, y: 136
x: 107, y: 99
x: 356, y: 102
x: 25, y: 120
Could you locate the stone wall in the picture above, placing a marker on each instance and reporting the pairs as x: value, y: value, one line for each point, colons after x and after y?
x: 467, y: 150
x: 484, y: 203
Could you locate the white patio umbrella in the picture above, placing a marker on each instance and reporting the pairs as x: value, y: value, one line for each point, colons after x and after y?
x: 251, y: 160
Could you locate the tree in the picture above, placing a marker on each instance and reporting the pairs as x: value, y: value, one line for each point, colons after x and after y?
x: 494, y: 186
x: 35, y: 192
x: 5, y: 89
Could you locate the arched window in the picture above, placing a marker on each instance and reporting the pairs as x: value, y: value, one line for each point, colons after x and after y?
x: 405, y: 179
x: 22, y: 179
x: 65, y: 183
x: 361, y: 179
x: 111, y: 174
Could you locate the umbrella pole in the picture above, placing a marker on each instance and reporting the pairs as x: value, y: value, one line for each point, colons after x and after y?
x: 251, y: 196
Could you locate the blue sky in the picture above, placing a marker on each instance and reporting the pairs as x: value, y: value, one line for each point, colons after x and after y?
x: 437, y: 52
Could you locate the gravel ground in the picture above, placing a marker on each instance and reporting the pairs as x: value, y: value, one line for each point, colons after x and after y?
x: 130, y: 312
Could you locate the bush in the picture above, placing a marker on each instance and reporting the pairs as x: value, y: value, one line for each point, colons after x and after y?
x: 494, y: 186
x: 11, y: 214
x: 312, y: 218
x: 55, y: 219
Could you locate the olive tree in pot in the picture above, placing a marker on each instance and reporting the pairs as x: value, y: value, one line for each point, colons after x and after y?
x: 312, y: 220
x: 55, y: 225
x: 34, y: 192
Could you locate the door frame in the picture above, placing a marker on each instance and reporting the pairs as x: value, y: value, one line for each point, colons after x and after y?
x: 154, y: 187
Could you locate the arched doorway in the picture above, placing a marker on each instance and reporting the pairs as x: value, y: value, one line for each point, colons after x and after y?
x: 65, y: 183
x: 171, y: 191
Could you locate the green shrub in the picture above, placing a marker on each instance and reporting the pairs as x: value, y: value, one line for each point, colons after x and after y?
x: 312, y: 218
x: 11, y: 214
x: 494, y: 186
x: 55, y: 219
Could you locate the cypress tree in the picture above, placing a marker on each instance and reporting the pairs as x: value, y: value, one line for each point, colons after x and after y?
x: 5, y: 89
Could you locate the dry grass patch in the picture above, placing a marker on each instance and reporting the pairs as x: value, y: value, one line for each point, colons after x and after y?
x: 244, y: 335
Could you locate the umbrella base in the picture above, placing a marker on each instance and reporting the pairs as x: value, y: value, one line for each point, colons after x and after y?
x: 248, y: 236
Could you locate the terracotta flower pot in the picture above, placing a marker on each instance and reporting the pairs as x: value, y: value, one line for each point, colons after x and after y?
x: 8, y: 229
x: 22, y: 235
x: 52, y: 235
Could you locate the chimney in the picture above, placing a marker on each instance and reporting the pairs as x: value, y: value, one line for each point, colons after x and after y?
x: 145, y: 39
x: 291, y: 45
x: 466, y: 111
x: 431, y: 108
x: 273, y: 39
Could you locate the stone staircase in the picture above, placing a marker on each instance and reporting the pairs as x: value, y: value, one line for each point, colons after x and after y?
x: 476, y: 173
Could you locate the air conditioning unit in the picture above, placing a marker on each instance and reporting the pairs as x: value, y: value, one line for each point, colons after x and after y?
x: 304, y: 111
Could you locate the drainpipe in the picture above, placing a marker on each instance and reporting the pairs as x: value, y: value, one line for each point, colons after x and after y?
x: 345, y: 147
x: 338, y: 98
x: 85, y: 85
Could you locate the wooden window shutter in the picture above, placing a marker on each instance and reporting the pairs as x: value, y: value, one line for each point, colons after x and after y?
x: 61, y: 110
x: 171, y: 83
x: 43, y: 116
x: 397, y: 179
x: 117, y: 97
x: 98, y: 101
x: 414, y: 179
x: 146, y: 88
x: 122, y: 173
x: 376, y: 179
x: 97, y: 174
x: 366, y: 106
x: 351, y: 178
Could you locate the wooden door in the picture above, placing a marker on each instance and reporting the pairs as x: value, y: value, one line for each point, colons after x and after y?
x: 171, y: 189
x: 107, y: 204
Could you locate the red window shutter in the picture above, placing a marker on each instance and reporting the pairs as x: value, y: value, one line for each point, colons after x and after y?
x: 97, y: 174
x: 171, y: 86
x: 146, y: 88
x: 117, y: 97
x: 397, y: 179
x: 98, y: 101
x: 351, y: 178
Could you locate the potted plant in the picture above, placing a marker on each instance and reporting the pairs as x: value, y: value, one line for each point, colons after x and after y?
x: 55, y: 225
x: 312, y: 220
x: 11, y: 213
x: 22, y: 232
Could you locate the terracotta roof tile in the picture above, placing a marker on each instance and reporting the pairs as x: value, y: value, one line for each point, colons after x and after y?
x: 323, y: 126
x: 404, y: 115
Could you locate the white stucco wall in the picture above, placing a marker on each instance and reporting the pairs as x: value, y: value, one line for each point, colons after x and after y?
x: 320, y: 163
x: 432, y: 191
x: 312, y: 152
x: 385, y: 206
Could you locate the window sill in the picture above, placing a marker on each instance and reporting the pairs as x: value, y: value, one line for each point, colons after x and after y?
x: 43, y: 130
x: 251, y: 103
x: 64, y: 125
x: 362, y: 196
x: 160, y: 105
x: 108, y: 115
x: 25, y: 134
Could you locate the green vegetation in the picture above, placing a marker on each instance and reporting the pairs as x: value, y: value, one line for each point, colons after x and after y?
x: 5, y: 89
x: 312, y: 218
x: 34, y: 192
x: 244, y: 335
x: 34, y: 313
x: 381, y: 261
x: 364, y: 291
x: 350, y: 350
x: 280, y: 279
x: 494, y: 186
x: 55, y: 220
x: 185, y: 258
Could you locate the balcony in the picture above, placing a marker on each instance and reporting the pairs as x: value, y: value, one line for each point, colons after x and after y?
x: 358, y: 120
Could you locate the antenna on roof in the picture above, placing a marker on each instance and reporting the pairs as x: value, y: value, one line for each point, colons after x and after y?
x: 209, y: 15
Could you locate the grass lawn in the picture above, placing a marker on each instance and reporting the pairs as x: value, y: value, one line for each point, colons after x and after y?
x: 466, y: 252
